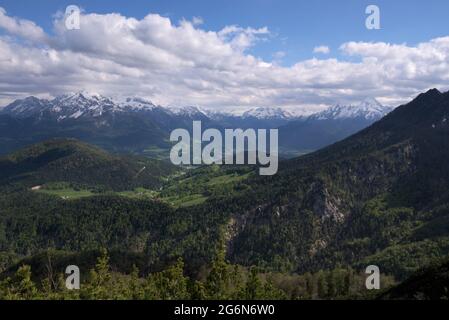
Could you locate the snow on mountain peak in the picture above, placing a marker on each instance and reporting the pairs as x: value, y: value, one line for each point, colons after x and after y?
x: 75, y: 105
x: 25, y: 107
x: 369, y: 109
x: 134, y: 103
x: 267, y: 113
x: 371, y: 102
x: 187, y: 111
x: 78, y: 104
x: 79, y: 97
x: 84, y: 104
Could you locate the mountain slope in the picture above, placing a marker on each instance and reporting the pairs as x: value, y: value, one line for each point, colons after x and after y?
x: 364, y: 200
x: 378, y: 197
x: 125, y: 125
x: 137, y: 125
x: 68, y: 160
x: 331, y: 125
x: 369, y: 109
x: 120, y: 125
x: 429, y: 283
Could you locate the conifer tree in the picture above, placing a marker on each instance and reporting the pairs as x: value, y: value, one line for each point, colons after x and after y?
x: 321, y: 285
x: 217, y: 283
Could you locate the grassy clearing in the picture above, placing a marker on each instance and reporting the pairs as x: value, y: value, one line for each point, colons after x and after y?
x: 139, y: 193
x: 179, y: 191
x: 156, y: 152
x: 186, y: 201
x: 67, y: 193
x: 229, y: 178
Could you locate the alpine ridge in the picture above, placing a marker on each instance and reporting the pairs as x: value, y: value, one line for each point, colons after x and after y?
x: 135, y: 124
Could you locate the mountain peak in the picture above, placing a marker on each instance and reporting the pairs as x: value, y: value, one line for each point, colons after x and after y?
x: 134, y: 103
x: 187, y: 111
x: 82, y: 94
x: 27, y: 106
x: 370, y: 102
x: 368, y: 109
x: 267, y: 113
x: 77, y: 104
x: 430, y: 94
x: 434, y: 91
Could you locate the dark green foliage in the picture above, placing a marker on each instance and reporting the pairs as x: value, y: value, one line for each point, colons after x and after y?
x: 431, y: 282
x: 32, y: 222
x: 70, y: 161
x: 102, y: 280
x: 379, y: 197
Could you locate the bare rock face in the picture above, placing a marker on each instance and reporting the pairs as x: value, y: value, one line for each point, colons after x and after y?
x: 324, y: 204
x: 318, y: 245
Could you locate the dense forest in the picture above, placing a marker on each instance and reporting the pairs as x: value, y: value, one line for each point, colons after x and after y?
x: 221, y: 281
x: 70, y: 160
x: 379, y: 197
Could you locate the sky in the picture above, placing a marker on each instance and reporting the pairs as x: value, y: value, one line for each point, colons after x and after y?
x: 300, y: 55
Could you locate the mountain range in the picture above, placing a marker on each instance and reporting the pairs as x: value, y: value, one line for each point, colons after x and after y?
x: 329, y: 126
x: 137, y: 125
x: 379, y: 197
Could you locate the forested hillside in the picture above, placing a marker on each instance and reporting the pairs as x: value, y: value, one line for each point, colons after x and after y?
x: 379, y: 197
x: 77, y: 163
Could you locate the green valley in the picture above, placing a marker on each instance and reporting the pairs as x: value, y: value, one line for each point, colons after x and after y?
x: 378, y: 197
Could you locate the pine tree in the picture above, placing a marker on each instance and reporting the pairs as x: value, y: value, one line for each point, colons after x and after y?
x: 21, y: 287
x: 321, y: 285
x: 270, y: 292
x: 99, y: 278
x: 217, y: 283
x: 347, y: 282
x: 136, y: 291
x: 197, y: 290
x: 170, y: 284
x: 253, y: 289
x: 331, y: 284
x: 309, y: 285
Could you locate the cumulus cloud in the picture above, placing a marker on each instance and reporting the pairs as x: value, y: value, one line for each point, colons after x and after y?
x: 183, y: 64
x: 322, y: 49
x: 23, y: 28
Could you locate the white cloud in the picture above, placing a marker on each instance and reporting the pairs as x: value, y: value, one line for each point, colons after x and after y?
x: 183, y: 64
x: 322, y: 49
x: 24, y: 28
x: 197, y: 21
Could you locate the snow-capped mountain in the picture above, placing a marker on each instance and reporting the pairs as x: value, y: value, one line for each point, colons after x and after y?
x: 85, y: 104
x: 188, y: 111
x: 368, y: 109
x: 76, y: 105
x: 267, y: 113
x: 331, y: 125
x: 135, y: 103
x: 134, y: 123
x: 26, y: 107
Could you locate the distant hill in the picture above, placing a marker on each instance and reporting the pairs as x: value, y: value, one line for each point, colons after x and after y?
x: 72, y: 161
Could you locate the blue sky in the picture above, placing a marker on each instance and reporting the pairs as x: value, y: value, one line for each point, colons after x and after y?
x: 244, y: 53
x: 297, y: 26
